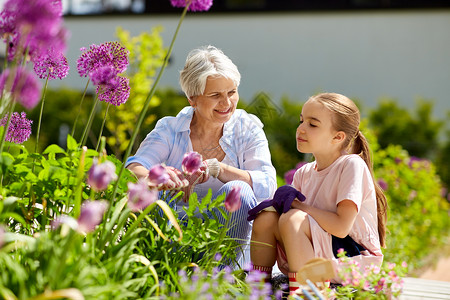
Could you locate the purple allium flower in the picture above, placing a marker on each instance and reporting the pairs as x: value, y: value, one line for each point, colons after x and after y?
x: 105, y: 76
x: 91, y: 215
x: 100, y: 175
x: 19, y: 129
x: 109, y: 53
x: 196, y: 5
x: 383, y: 184
x: 158, y: 175
x: 192, y: 161
x: 64, y: 219
x: 51, y: 64
x: 37, y: 24
x: 7, y: 23
x: 140, y: 196
x: 289, y: 176
x: 25, y: 87
x: 233, y: 199
x: 117, y: 94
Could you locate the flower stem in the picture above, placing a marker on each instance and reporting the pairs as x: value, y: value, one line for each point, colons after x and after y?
x: 79, y: 109
x: 87, y: 128
x: 148, y: 99
x: 103, y: 125
x: 40, y: 114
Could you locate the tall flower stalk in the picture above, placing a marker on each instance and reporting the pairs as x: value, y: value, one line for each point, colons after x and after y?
x: 149, y: 97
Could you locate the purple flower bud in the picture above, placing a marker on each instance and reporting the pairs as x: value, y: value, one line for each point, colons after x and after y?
x: 383, y: 184
x: 91, y: 215
x: 233, y: 199
x: 100, y: 175
x: 140, y: 196
x: 158, y: 175
x: 192, y: 161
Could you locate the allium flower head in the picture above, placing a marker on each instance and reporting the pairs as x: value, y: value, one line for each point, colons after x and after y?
x: 109, y: 53
x: 192, y: 161
x: 140, y: 196
x: 158, y: 175
x: 91, y: 215
x: 25, y: 87
x: 19, y: 129
x: 233, y: 199
x: 115, y: 94
x: 37, y: 23
x: 100, y: 175
x: 51, y: 64
x: 383, y: 184
x: 104, y: 76
x: 196, y: 5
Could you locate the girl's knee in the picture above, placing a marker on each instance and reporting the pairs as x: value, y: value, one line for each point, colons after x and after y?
x: 293, y: 219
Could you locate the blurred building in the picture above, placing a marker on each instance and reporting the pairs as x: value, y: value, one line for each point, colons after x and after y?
x: 362, y: 48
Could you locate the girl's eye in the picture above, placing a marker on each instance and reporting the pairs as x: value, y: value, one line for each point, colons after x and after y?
x: 312, y: 125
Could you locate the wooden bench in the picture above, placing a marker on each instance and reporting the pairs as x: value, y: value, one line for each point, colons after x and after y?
x: 416, y: 288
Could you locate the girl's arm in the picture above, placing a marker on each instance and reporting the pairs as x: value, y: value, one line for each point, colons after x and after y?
x: 336, y: 223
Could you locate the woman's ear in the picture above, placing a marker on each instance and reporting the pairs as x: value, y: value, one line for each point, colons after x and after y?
x: 339, y: 137
x: 192, y: 101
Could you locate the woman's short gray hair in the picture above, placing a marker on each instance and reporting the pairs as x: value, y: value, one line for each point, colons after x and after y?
x: 202, y: 63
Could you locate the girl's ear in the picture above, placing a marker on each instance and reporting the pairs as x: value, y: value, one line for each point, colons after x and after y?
x: 339, y: 137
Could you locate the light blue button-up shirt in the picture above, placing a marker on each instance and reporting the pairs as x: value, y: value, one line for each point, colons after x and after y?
x: 244, y: 143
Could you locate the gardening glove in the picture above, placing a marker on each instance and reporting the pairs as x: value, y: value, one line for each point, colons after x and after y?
x: 282, y: 201
x: 199, y: 176
x: 177, y: 180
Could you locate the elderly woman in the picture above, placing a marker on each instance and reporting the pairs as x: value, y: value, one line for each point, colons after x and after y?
x: 231, y: 141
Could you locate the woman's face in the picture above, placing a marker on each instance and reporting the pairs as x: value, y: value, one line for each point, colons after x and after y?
x: 218, y: 102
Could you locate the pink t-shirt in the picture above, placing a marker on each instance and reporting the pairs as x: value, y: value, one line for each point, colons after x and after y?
x: 346, y: 178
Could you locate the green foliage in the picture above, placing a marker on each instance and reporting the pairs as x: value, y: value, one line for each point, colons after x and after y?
x: 418, y: 134
x: 280, y: 124
x: 418, y: 219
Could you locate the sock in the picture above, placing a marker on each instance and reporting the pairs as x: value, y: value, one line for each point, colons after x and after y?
x: 293, y: 284
x: 266, y: 270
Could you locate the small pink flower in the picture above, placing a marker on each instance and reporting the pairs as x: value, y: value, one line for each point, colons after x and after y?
x: 404, y: 264
x: 340, y: 250
x: 140, y: 196
x: 100, y: 175
x: 391, y: 266
x: 233, y: 199
x: 192, y: 161
x: 158, y: 175
x: 91, y: 215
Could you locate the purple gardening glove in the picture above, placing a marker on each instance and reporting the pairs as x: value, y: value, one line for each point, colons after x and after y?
x: 282, y: 201
x: 199, y: 176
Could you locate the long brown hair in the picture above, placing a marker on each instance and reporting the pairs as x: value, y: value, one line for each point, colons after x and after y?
x: 346, y: 118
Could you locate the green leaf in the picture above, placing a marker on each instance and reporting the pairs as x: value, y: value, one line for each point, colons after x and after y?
x: 72, y: 144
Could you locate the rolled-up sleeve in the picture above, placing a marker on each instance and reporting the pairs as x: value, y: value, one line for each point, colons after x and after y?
x: 155, y: 148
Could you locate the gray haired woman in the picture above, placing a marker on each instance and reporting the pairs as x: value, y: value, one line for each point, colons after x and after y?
x: 231, y: 141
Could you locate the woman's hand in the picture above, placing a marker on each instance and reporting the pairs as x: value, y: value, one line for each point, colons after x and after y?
x: 199, y: 176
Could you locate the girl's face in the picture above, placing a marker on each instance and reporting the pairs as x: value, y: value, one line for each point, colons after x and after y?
x: 218, y: 102
x: 315, y: 134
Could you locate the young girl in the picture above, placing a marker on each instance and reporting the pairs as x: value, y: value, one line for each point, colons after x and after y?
x: 344, y: 206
